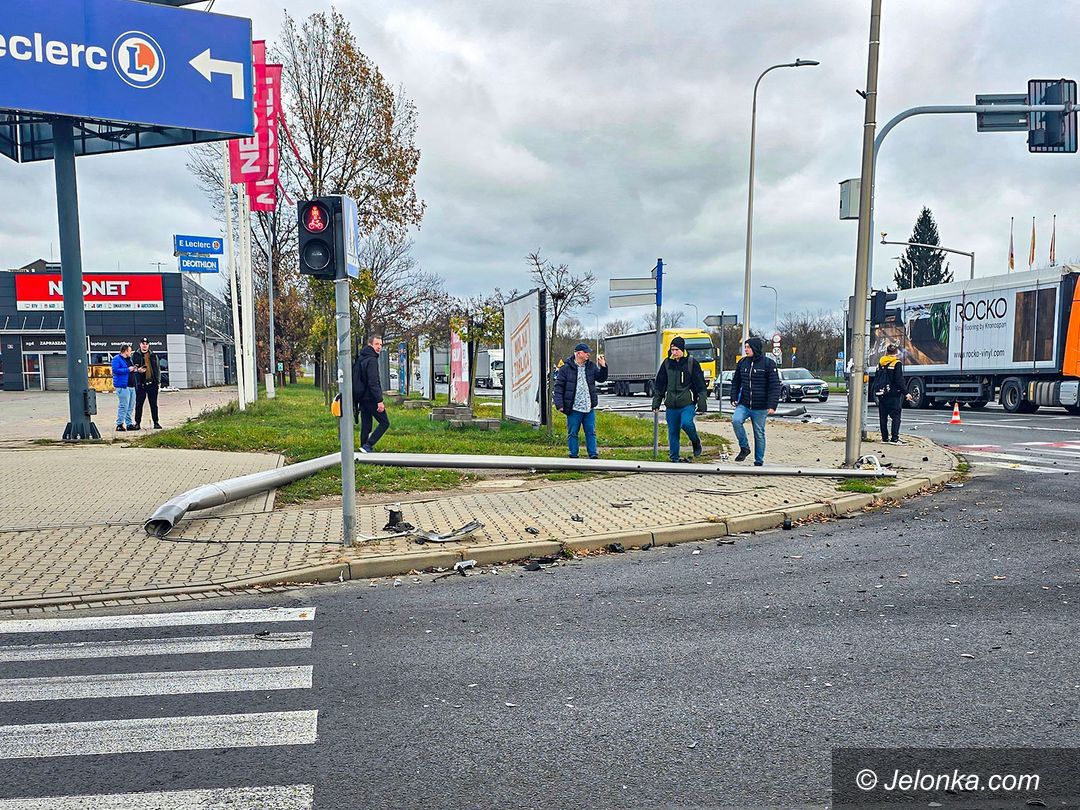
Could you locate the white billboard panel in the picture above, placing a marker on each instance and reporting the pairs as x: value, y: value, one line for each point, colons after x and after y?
x: 524, y: 366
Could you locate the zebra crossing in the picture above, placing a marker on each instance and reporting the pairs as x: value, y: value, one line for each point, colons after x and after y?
x: 146, y: 703
x: 1040, y: 458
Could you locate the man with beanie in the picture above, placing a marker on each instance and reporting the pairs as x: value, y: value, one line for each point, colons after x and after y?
x: 755, y: 392
x: 680, y: 383
x: 576, y: 396
x: 890, y: 390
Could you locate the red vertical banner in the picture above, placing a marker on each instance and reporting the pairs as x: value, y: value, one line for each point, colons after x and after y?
x: 248, y: 156
x: 459, y: 371
x: 263, y: 192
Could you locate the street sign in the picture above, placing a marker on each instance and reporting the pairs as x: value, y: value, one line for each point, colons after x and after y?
x: 127, y: 61
x: 722, y: 320
x: 1001, y: 122
x: 199, y: 264
x: 639, y: 300
x: 632, y: 284
x: 350, y: 222
x: 196, y: 244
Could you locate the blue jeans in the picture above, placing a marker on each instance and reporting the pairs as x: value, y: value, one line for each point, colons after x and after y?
x: 575, y: 421
x: 125, y: 402
x: 678, y: 420
x: 757, y: 417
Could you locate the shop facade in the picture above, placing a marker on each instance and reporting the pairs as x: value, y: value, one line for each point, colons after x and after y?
x: 189, y: 328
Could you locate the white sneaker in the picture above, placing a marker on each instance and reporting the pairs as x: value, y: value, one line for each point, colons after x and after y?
x: 898, y: 442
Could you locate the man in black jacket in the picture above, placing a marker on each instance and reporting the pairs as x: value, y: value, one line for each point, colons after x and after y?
x: 890, y: 391
x: 576, y: 396
x: 368, y: 394
x: 680, y: 384
x: 755, y: 393
x: 147, y: 381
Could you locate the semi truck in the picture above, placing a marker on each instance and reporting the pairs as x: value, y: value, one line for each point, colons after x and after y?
x: 1013, y: 339
x: 489, y: 368
x: 632, y: 362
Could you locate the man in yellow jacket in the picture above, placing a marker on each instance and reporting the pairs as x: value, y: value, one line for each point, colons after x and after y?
x: 890, y: 390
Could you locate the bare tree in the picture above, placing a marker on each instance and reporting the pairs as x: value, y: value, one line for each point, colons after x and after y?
x: 393, y: 294
x: 817, y: 336
x: 566, y: 291
x: 620, y: 326
x: 670, y: 320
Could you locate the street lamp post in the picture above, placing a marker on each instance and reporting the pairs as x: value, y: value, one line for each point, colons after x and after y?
x: 750, y: 194
x: 596, y: 317
x: 697, y: 316
x: 775, y: 308
x: 970, y: 254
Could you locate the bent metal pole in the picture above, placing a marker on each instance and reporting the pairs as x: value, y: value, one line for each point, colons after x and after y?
x: 167, y: 515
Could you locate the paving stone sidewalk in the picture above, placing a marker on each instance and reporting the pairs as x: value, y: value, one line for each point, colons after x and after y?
x: 72, y: 534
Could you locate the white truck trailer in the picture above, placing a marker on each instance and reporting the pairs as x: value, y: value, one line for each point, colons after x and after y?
x: 1013, y: 339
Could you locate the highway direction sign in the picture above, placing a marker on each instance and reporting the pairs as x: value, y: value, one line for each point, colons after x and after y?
x: 127, y: 61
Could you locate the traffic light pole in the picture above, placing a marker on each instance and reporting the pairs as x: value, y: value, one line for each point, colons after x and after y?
x: 80, y: 425
x: 345, y: 428
x: 864, y: 265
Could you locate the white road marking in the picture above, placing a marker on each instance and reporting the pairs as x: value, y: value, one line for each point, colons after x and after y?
x: 1021, y: 458
x: 130, y: 648
x: 191, y: 733
x: 183, y: 619
x: 139, y: 684
x: 1022, y: 467
x: 286, y: 797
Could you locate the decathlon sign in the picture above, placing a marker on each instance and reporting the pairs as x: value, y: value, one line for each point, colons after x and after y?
x: 127, y: 61
x: 44, y: 291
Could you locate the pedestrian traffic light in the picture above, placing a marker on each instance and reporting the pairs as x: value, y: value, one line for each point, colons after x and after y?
x: 1051, y: 131
x: 879, y: 302
x: 321, y: 247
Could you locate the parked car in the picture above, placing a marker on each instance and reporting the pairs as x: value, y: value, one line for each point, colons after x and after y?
x: 798, y: 383
x: 723, y: 391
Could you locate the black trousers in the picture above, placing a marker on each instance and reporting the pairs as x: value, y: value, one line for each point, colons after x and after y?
x: 147, y: 391
x: 367, y: 413
x: 888, y: 408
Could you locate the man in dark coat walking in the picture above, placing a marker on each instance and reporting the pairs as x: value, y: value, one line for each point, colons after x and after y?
x: 755, y: 393
x: 147, y: 382
x: 680, y: 384
x: 890, y: 390
x: 576, y: 396
x: 368, y: 394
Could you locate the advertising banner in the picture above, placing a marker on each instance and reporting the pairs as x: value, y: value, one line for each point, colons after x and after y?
x: 459, y: 371
x: 998, y: 324
x: 524, y: 358
x: 248, y: 156
x: 263, y: 192
x: 112, y: 291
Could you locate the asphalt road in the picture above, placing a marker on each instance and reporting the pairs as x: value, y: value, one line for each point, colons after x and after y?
x: 1044, y: 443
x: 703, y: 675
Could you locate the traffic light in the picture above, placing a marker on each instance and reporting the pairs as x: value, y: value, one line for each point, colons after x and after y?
x: 879, y: 303
x: 1051, y: 131
x: 321, y: 247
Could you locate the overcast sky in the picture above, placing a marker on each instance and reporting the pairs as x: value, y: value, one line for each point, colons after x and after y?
x: 610, y: 133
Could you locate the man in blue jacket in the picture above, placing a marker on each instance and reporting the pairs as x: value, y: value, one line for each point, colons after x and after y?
x: 755, y: 393
x: 575, y: 395
x: 122, y: 371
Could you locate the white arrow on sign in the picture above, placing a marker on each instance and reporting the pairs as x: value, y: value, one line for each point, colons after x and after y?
x: 207, y: 66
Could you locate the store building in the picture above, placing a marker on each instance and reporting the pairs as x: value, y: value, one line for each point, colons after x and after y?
x: 189, y: 328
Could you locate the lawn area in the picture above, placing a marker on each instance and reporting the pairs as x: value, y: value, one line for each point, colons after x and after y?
x: 299, y: 426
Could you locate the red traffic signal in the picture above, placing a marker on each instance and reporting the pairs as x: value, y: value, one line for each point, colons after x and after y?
x: 316, y: 218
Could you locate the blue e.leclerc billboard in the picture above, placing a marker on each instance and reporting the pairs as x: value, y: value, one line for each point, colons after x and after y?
x: 128, y: 61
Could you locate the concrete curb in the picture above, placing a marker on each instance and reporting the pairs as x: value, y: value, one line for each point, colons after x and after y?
x: 447, y: 556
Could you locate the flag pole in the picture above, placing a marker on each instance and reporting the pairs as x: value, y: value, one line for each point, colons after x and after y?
x: 1012, y: 254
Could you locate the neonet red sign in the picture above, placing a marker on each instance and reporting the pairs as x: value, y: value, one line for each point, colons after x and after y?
x: 43, y: 291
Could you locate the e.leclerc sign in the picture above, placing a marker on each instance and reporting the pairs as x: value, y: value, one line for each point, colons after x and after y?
x: 203, y: 245
x: 127, y: 61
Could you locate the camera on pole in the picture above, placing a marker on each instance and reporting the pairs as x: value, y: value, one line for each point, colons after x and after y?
x: 321, y: 236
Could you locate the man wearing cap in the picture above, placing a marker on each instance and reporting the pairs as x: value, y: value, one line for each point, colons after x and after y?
x: 680, y: 384
x: 575, y: 396
x: 147, y: 382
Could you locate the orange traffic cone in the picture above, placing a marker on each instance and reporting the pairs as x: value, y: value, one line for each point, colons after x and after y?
x: 955, y: 414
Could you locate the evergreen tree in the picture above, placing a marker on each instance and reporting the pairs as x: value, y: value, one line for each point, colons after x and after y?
x: 920, y: 266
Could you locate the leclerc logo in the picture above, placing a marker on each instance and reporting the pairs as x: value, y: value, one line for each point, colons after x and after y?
x: 138, y: 59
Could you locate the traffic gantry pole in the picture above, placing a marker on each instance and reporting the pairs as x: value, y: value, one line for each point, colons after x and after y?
x: 81, y: 402
x: 856, y: 394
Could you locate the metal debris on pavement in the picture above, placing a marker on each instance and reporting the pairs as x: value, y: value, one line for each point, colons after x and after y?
x: 460, y: 533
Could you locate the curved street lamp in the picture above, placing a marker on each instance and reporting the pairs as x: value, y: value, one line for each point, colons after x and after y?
x: 750, y: 196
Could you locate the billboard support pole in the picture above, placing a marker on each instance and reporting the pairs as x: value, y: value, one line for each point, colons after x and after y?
x: 80, y: 426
